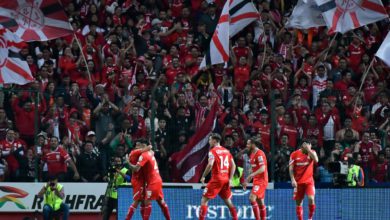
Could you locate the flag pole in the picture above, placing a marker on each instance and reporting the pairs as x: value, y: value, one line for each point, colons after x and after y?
x: 363, y: 79
x: 330, y: 45
x: 82, y: 54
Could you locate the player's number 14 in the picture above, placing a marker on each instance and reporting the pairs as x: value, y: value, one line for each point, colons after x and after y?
x: 224, y: 162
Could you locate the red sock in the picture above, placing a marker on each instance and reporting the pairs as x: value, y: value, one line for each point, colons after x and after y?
x: 203, y: 212
x: 147, y: 211
x: 130, y: 212
x: 311, y: 210
x: 165, y: 210
x: 263, y: 212
x: 256, y: 210
x: 299, y: 211
x: 233, y: 212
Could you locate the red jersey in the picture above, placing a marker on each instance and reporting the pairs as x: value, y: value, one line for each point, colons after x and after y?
x: 7, y: 148
x: 258, y: 160
x: 149, y: 168
x: 241, y: 52
x: 133, y: 158
x: 241, y: 76
x: 303, y: 167
x: 380, y: 170
x: 56, y: 161
x: 265, y: 132
x: 367, y: 153
x: 221, y: 166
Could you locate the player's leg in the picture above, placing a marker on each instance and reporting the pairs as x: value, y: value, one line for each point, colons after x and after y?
x: 258, y: 192
x: 163, y: 205
x: 210, y: 192
x: 255, y: 206
x: 131, y: 210
x: 147, y: 210
x: 226, y: 195
x: 299, y: 193
x: 310, y: 192
x: 262, y: 208
x: 203, y: 208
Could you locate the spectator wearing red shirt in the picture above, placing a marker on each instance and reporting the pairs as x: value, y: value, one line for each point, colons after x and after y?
x: 173, y: 70
x: 380, y: 168
x: 57, y: 159
x: 343, y: 84
x: 8, y: 146
x: 137, y: 123
x: 366, y: 149
x: 241, y: 50
x: 329, y: 123
x: 289, y: 129
x: 356, y: 51
x: 312, y: 129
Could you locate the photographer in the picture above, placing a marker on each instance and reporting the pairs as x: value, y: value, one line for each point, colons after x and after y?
x: 53, y: 194
x: 355, y: 175
x: 117, y: 175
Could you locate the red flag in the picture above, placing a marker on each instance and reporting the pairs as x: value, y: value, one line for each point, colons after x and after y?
x: 36, y: 20
x: 189, y: 163
x: 12, y: 68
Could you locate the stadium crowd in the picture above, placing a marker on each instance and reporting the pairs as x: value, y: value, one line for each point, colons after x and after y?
x: 89, y: 111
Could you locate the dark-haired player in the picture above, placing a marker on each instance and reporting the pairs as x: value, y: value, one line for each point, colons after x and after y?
x: 301, y: 173
x: 222, y: 167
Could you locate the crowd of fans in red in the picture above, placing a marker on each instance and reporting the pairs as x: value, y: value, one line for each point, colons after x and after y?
x: 131, y: 47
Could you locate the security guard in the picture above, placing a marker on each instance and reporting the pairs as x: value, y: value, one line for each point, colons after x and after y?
x: 355, y: 175
x: 53, y: 194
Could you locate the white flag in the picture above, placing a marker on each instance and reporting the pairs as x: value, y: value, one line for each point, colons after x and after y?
x: 306, y: 15
x: 384, y: 50
x: 342, y: 16
x: 235, y: 16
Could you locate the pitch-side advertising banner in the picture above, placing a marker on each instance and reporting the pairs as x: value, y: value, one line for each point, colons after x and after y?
x: 332, y: 204
x: 22, y: 197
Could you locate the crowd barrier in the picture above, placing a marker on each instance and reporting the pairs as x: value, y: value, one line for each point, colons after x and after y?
x: 184, y: 201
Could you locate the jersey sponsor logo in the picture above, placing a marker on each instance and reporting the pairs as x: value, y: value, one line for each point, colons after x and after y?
x: 302, y: 163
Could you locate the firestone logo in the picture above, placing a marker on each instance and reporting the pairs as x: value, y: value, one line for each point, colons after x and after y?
x: 222, y: 212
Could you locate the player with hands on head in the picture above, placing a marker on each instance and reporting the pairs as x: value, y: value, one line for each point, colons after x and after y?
x: 301, y: 167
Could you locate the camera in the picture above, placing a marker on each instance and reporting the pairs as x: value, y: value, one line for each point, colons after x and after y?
x: 340, y: 172
x: 52, y: 184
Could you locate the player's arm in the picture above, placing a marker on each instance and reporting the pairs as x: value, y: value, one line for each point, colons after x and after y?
x: 208, y: 167
x: 313, y: 155
x: 291, y: 172
x: 257, y: 172
x: 232, y: 169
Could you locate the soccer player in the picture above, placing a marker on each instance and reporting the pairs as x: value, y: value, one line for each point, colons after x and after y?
x: 147, y: 164
x: 137, y: 179
x: 222, y: 167
x: 259, y: 175
x: 301, y: 173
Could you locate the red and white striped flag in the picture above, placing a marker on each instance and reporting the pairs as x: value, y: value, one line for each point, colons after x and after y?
x: 37, y: 20
x: 345, y: 15
x: 189, y: 163
x: 384, y: 50
x: 236, y: 15
x: 12, y: 68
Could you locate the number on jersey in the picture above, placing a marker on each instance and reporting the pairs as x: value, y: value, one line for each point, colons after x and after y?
x: 224, y: 162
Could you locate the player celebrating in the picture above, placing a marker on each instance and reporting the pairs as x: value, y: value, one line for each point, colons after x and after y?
x: 149, y: 169
x: 259, y: 175
x: 222, y: 167
x: 137, y: 179
x: 301, y: 173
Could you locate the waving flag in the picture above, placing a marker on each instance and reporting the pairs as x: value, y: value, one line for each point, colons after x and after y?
x: 306, y: 15
x: 345, y: 15
x: 12, y: 68
x: 384, y: 50
x: 236, y: 15
x: 35, y: 20
x: 189, y: 163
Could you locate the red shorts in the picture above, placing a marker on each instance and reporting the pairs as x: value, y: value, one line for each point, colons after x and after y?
x: 154, y: 192
x: 302, y: 189
x: 215, y: 187
x: 259, y: 190
x: 138, y: 192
